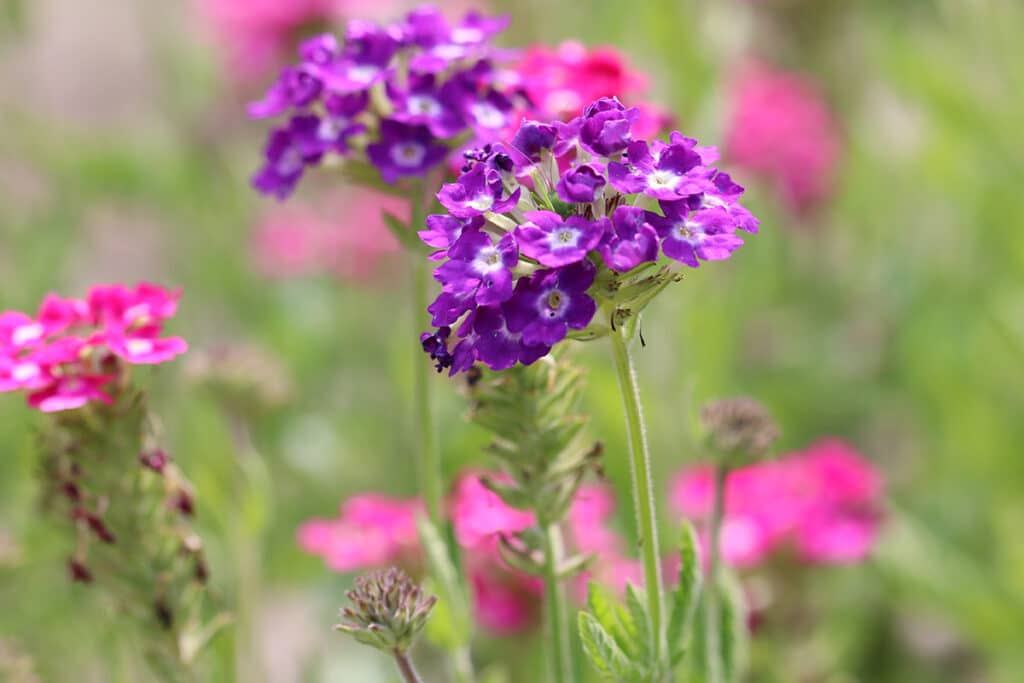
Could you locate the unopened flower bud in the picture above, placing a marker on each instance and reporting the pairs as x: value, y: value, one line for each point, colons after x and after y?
x: 388, y: 610
x: 739, y: 428
x: 155, y: 459
x: 78, y: 572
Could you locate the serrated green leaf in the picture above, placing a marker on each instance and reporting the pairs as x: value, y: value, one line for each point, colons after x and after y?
x: 510, y: 493
x: 609, y: 613
x: 733, y: 629
x: 685, y: 597
x: 639, y: 650
x: 604, y: 652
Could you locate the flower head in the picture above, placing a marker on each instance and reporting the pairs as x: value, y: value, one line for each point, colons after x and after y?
x: 388, y: 610
x: 398, y: 96
x: 74, y: 351
x: 565, y: 220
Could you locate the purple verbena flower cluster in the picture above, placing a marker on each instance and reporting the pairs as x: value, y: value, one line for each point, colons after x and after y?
x: 399, y: 96
x: 565, y: 219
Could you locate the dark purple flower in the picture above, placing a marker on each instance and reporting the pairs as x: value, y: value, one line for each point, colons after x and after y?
x: 365, y: 59
x: 554, y: 242
x: 489, y: 115
x: 404, y: 150
x: 339, y: 124
x: 288, y: 151
x: 477, y: 191
x: 479, y: 266
x: 436, y: 346
x: 675, y: 173
x: 583, y: 183
x: 606, y: 127
x: 705, y: 234
x: 632, y: 240
x: 546, y: 305
x: 532, y: 138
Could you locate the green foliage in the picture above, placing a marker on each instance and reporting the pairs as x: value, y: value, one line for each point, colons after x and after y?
x: 450, y: 625
x: 685, y: 597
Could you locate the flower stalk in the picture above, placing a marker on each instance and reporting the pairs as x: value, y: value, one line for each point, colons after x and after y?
x: 713, y: 595
x: 643, y: 491
x: 557, y: 608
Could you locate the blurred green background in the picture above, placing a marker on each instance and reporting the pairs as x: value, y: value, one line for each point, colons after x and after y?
x: 893, y: 318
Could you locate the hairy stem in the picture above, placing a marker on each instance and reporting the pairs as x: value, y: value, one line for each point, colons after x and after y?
x: 712, y: 611
x: 406, y: 668
x: 555, y: 600
x: 643, y: 493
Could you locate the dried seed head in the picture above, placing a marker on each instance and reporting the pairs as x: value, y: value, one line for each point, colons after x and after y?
x: 388, y: 610
x: 739, y: 427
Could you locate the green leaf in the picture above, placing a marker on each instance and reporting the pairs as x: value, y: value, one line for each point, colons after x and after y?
x: 604, y: 653
x: 367, y: 175
x: 453, y: 599
x: 608, y: 612
x: 640, y: 649
x: 685, y: 597
x: 405, y: 235
x: 734, y: 628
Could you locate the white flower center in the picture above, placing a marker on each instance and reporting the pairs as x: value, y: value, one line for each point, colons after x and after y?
x: 564, y: 237
x: 24, y: 334
x: 139, y: 347
x: 663, y: 179
x: 331, y: 127
x: 487, y: 260
x: 466, y: 34
x: 423, y: 104
x: 24, y: 371
x: 408, y: 154
x: 481, y: 202
x: 290, y: 162
x: 487, y: 115
x: 364, y: 73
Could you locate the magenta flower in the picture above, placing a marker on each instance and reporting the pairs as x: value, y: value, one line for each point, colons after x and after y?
x: 74, y: 350
x: 372, y: 531
x: 824, y: 503
x: 782, y: 128
x: 479, y: 516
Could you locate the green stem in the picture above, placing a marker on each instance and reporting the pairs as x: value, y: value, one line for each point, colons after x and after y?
x: 712, y: 610
x: 643, y: 492
x: 558, y: 613
x: 429, y: 453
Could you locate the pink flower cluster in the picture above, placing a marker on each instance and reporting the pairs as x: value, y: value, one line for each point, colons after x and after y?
x: 293, y: 240
x: 374, y: 531
x: 824, y: 503
x: 781, y: 127
x: 72, y: 349
x: 560, y: 81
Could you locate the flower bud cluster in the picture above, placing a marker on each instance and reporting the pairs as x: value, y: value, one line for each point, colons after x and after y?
x: 388, y: 610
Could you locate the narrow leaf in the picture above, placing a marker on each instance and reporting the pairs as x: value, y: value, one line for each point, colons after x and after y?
x: 685, y: 597
x: 447, y: 581
x: 604, y: 653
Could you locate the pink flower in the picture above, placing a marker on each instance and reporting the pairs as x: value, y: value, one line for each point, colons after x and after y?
x: 372, y: 531
x: 823, y: 502
x: 345, y: 236
x: 504, y: 601
x: 781, y: 127
x: 65, y: 356
x: 479, y: 516
x: 561, y: 81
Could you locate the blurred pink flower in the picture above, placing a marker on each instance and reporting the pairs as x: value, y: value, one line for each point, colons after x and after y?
x: 781, y: 127
x: 504, y: 601
x: 479, y: 516
x: 344, y: 236
x: 372, y: 531
x: 823, y: 502
x: 67, y: 354
x: 561, y: 81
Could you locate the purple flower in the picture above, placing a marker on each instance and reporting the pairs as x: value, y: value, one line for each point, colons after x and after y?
x: 426, y: 104
x: 443, y: 230
x: 404, y: 150
x: 288, y: 151
x: 583, y: 183
x: 554, y: 242
x: 632, y: 240
x: 477, y: 191
x: 488, y: 115
x: 532, y: 138
x: 687, y: 235
x: 295, y: 87
x: 724, y: 194
x: 674, y: 173
x: 606, y: 127
x: 546, y: 305
x: 319, y: 51
x: 339, y: 124
x: 479, y: 267
x: 497, y: 346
